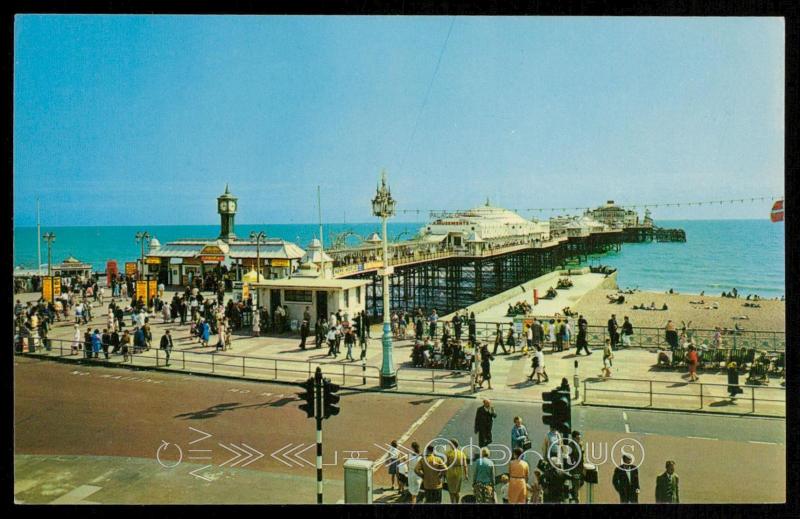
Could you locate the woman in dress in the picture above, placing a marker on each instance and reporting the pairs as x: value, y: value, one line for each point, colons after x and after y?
x: 551, y: 334
x: 456, y: 471
x: 110, y: 321
x: 518, y: 472
x: 77, y: 339
x: 691, y: 361
x: 165, y: 311
x: 414, y: 481
x: 256, y: 324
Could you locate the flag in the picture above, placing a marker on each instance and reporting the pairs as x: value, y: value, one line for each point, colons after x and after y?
x: 777, y: 211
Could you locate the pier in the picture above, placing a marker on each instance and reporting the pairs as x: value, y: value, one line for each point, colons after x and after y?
x: 450, y: 277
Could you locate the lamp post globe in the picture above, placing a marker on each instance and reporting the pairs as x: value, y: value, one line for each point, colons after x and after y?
x: 383, y: 206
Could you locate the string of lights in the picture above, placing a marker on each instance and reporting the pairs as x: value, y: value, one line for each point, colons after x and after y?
x: 654, y: 205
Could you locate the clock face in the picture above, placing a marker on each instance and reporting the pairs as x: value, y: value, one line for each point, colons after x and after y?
x: 223, y: 205
x: 232, y: 206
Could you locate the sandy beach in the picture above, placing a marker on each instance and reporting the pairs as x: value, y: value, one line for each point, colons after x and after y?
x: 597, y: 310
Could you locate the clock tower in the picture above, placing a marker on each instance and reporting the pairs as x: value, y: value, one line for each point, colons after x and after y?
x: 226, y: 207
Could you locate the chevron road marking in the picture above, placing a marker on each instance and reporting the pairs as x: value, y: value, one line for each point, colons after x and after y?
x: 206, y: 435
x: 236, y: 452
x: 273, y: 455
x: 260, y: 455
x: 195, y: 473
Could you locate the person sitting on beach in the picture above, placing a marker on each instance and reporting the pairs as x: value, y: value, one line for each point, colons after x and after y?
x: 653, y: 305
x: 664, y: 307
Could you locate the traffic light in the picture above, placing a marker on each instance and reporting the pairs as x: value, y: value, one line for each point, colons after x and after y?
x: 329, y: 398
x: 557, y: 411
x: 308, y: 396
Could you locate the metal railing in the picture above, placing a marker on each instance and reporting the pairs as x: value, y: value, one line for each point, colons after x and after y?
x: 244, y: 366
x: 422, y: 377
x: 684, y: 395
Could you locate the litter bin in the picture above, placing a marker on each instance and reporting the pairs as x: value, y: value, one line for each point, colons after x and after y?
x: 358, y: 481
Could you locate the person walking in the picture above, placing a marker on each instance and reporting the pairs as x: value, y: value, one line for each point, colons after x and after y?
x: 105, y: 342
x: 77, y: 339
x: 484, y: 418
x: 608, y: 355
x: 114, y: 341
x: 414, y: 480
x: 486, y: 367
x: 626, y: 481
x: 518, y: 473
x: 431, y: 469
x: 691, y: 363
x: 519, y: 434
x: 97, y: 343
x: 581, y: 341
x: 205, y: 332
x: 511, y: 339
x: 667, y: 485
x: 349, y: 342
x: 256, y: 323
x: 304, y: 331
x: 363, y: 333
x: 457, y: 471
x: 394, y: 460
x: 538, y: 366
x: 166, y: 344
x: 733, y: 381
x: 613, y: 335
x: 484, y: 478
x: 498, y: 340
x: 331, y: 337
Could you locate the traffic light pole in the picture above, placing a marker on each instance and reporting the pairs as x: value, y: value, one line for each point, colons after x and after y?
x: 318, y: 415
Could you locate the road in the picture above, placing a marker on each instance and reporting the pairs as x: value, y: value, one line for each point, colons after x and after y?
x: 105, y: 435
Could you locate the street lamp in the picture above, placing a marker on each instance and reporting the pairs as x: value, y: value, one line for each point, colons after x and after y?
x: 258, y: 237
x: 383, y: 206
x: 49, y: 237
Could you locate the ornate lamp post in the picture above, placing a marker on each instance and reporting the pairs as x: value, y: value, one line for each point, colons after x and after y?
x: 383, y: 206
x: 258, y: 237
x: 49, y: 237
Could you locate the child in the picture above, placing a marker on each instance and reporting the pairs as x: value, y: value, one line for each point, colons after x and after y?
x: 607, y: 356
x: 502, y: 488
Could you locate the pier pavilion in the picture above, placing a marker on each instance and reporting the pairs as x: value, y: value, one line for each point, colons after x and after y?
x: 182, y: 262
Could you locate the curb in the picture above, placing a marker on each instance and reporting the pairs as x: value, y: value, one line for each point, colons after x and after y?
x: 693, y: 411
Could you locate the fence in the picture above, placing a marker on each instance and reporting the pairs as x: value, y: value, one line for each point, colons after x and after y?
x: 458, y: 382
x: 646, y: 337
x: 253, y: 367
x: 761, y: 400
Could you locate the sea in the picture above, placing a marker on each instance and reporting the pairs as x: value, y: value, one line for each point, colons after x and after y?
x: 717, y: 256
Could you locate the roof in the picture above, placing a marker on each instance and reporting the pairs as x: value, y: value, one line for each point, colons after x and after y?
x: 313, y: 283
x: 274, y: 249
x: 252, y: 277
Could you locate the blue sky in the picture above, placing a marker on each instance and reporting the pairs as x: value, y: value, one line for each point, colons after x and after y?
x: 143, y: 119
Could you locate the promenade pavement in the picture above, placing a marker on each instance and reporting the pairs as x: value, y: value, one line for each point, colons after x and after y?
x: 635, y: 381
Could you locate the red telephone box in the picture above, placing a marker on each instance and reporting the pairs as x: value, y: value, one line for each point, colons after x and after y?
x: 111, y: 271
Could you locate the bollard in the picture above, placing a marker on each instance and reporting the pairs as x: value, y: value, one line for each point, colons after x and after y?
x: 433, y: 381
x: 183, y: 357
x: 753, y: 397
x: 364, y: 372
x: 275, y: 363
x: 701, y: 395
x: 343, y: 375
x: 243, y: 357
x: 651, y: 393
x: 212, y: 362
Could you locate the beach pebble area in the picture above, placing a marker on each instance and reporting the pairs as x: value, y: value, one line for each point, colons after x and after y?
x: 771, y: 316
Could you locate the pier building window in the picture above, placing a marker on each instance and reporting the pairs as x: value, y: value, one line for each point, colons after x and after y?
x: 298, y: 296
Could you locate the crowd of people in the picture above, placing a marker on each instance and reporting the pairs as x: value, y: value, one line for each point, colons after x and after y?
x: 553, y: 473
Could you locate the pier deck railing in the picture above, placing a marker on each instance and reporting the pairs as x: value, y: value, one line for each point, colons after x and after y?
x: 649, y: 337
x: 761, y: 400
